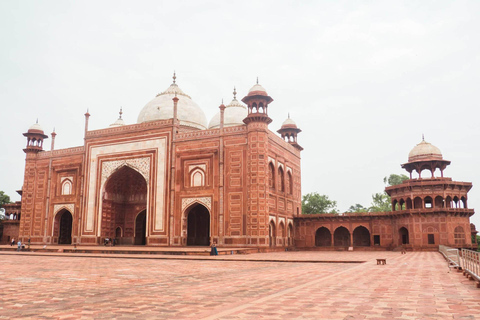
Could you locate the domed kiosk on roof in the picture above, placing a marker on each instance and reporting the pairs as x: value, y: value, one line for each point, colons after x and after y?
x: 35, y: 137
x: 119, y: 122
x: 425, y: 156
x: 234, y: 114
x: 289, y: 132
x: 161, y: 108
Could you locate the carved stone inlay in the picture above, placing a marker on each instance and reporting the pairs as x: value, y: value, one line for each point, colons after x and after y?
x: 69, y: 206
x: 142, y: 165
x: 206, y: 201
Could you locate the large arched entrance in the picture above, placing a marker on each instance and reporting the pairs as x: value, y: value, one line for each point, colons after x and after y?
x: 361, y: 237
x: 198, y: 226
x: 341, y: 237
x: 403, y: 236
x: 141, y: 228
x: 124, y: 197
x: 63, y: 222
x: 323, y: 237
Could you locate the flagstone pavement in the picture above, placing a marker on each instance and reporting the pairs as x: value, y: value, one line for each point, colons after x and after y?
x: 417, y: 285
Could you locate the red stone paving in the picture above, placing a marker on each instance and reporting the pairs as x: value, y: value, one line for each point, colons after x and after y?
x: 417, y: 285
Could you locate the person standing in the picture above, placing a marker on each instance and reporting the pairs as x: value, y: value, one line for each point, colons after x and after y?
x: 12, y: 242
x: 19, y: 245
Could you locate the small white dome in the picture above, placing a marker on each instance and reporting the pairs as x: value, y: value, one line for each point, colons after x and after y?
x: 36, y: 127
x: 161, y: 107
x: 289, y: 123
x: 257, y: 88
x: 234, y: 114
x: 119, y: 122
x: 424, y: 151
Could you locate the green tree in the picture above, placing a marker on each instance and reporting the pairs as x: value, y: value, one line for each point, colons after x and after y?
x: 4, y: 199
x: 395, y: 179
x: 318, y: 203
x: 380, y: 202
x: 357, y: 208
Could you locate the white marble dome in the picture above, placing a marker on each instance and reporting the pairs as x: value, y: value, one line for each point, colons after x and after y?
x: 424, y: 151
x: 35, y: 127
x: 258, y: 89
x: 119, y: 122
x: 289, y: 123
x: 161, y: 107
x: 234, y: 114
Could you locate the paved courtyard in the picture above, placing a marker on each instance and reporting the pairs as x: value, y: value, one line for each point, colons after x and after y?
x: 412, y: 286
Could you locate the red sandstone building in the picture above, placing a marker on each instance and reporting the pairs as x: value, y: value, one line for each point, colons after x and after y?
x: 426, y: 213
x: 169, y: 180
x: 173, y: 180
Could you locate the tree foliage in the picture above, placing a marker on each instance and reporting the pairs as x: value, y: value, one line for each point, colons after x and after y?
x: 4, y: 199
x: 318, y: 203
x: 381, y: 201
x: 395, y: 179
x: 357, y: 208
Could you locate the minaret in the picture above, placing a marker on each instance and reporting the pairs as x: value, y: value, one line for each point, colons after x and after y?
x: 257, y: 122
x: 35, y: 137
x: 53, y: 134
x: 221, y: 233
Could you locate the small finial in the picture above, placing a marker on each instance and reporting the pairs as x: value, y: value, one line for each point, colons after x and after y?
x: 423, y: 137
x: 222, y: 100
x: 257, y: 80
x: 174, y: 77
x: 37, y: 120
x: 175, y: 93
x: 289, y: 115
x: 234, y: 93
x: 120, y: 114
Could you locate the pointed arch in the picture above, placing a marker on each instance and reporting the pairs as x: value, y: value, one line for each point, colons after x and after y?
x: 281, y: 179
x: 67, y: 187
x: 341, y: 237
x: 271, y: 175
x: 198, y: 225
x: 197, y: 177
x: 323, y: 237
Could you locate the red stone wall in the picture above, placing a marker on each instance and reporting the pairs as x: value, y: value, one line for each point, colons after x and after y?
x: 10, y: 231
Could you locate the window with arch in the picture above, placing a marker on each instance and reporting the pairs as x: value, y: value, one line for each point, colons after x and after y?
x: 197, y: 178
x: 66, y: 187
x: 271, y: 175
x: 281, y: 180
x: 289, y: 182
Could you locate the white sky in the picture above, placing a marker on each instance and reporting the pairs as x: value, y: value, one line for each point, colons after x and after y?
x: 363, y: 80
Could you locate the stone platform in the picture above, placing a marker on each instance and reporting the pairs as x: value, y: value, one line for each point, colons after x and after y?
x: 277, y: 285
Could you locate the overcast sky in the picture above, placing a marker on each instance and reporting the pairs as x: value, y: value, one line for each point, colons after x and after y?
x: 363, y: 80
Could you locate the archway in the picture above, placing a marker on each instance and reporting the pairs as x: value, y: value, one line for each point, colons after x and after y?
x: 124, y: 197
x: 341, y: 237
x: 64, y: 221
x: 403, y: 236
x: 141, y: 228
x: 198, y: 226
x: 323, y: 237
x: 361, y: 237
x: 290, y: 234
x: 271, y: 234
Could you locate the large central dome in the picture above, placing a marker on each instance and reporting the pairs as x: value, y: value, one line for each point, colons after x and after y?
x: 161, y: 107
